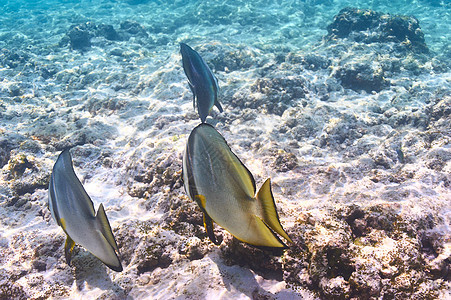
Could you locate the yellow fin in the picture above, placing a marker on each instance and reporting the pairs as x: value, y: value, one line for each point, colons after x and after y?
x: 268, y: 210
x: 105, y: 227
x: 268, y: 238
x: 208, y: 222
x: 63, y: 223
x: 201, y: 200
x: 244, y: 178
x: 68, y: 247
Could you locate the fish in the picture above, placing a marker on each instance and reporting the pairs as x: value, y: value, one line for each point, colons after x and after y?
x: 225, y: 191
x: 201, y: 81
x: 73, y: 210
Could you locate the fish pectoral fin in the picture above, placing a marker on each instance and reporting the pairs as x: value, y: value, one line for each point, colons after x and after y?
x: 268, y: 210
x: 68, y: 247
x: 201, y: 200
x: 106, y: 228
x: 62, y: 223
x: 208, y: 223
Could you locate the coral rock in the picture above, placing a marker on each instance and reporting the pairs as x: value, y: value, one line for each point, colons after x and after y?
x: 368, y: 26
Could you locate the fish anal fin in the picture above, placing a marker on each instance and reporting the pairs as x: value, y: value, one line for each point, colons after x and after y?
x: 208, y: 223
x: 218, y: 105
x: 268, y: 211
x: 105, y: 227
x: 194, y: 94
x: 68, y: 247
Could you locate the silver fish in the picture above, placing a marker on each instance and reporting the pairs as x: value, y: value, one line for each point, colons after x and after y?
x: 73, y: 210
x: 201, y: 81
x: 225, y: 191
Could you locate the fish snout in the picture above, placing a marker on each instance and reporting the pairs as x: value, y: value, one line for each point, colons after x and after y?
x: 184, y: 49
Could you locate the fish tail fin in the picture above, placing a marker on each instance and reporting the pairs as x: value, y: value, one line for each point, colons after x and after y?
x: 271, y: 239
x: 68, y: 247
x: 106, y: 228
x: 268, y: 209
x: 107, y: 233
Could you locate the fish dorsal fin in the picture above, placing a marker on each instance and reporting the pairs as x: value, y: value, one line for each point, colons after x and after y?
x: 105, y: 227
x: 268, y: 210
x: 66, y: 176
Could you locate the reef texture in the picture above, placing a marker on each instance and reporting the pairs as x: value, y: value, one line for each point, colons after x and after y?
x: 369, y: 26
x: 351, y: 121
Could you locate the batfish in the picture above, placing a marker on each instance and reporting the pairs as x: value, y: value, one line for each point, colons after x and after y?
x: 73, y: 210
x: 201, y: 81
x: 225, y: 190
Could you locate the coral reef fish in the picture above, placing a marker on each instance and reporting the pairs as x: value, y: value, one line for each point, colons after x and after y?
x: 73, y: 210
x: 201, y: 80
x: 225, y: 190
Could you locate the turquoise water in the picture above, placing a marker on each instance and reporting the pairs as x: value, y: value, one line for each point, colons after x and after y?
x: 347, y: 111
x: 297, y: 23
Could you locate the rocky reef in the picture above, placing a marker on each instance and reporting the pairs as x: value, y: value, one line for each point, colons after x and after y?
x: 369, y: 26
x: 346, y: 110
x: 366, y: 253
x: 79, y: 36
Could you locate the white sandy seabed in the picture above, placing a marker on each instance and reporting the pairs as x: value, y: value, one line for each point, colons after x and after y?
x: 361, y: 179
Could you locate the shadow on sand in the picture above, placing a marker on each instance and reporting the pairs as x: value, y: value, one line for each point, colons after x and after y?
x: 90, y: 272
x: 242, y: 279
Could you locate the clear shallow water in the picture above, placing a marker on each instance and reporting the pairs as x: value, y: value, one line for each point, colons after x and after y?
x: 291, y: 22
x: 125, y: 107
